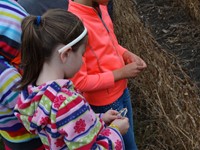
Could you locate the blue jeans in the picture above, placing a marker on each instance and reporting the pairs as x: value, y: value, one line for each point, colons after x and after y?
x: 122, y: 102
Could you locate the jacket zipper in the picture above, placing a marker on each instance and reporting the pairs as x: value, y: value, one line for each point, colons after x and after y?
x: 100, y: 17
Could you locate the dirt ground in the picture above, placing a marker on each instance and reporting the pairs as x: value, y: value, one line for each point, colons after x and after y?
x: 175, y: 31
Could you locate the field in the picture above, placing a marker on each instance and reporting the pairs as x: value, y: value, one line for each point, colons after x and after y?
x: 165, y: 96
x: 175, y: 30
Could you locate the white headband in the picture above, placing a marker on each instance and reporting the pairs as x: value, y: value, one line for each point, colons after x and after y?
x: 76, y: 40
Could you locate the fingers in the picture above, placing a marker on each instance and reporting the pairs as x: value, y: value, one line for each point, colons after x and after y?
x: 140, y: 67
x: 124, y: 118
x: 112, y: 112
x: 143, y: 63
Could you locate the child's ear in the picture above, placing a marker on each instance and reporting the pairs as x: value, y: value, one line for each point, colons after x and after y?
x: 65, y: 54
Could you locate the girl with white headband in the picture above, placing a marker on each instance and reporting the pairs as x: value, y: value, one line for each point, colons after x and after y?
x: 49, y: 105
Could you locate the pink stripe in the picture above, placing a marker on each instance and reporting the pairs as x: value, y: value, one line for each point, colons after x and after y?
x: 69, y: 106
x: 16, y: 24
x: 7, y: 74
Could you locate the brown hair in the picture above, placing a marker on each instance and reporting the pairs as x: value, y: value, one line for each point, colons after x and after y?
x: 39, y: 39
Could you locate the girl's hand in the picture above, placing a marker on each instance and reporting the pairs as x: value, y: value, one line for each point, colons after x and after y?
x: 121, y: 124
x: 134, y: 65
x: 128, y: 71
x: 109, y: 116
x: 129, y: 57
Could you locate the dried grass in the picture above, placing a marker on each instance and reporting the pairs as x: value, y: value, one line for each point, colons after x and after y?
x: 192, y: 6
x: 165, y: 100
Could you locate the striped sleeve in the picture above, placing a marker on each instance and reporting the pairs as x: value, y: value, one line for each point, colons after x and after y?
x: 11, y: 15
x: 8, y: 98
x: 82, y: 128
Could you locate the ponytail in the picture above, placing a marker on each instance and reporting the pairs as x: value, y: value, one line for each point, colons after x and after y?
x: 31, y: 56
x: 40, y: 35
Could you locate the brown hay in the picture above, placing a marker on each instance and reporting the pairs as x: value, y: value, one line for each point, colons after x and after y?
x: 167, y: 108
x: 192, y: 6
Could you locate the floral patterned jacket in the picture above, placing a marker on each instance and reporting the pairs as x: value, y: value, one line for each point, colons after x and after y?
x: 63, y: 119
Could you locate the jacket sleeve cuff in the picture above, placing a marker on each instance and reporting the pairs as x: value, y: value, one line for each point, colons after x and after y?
x: 122, y: 50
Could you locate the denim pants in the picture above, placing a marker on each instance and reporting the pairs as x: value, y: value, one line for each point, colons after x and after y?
x: 123, y: 102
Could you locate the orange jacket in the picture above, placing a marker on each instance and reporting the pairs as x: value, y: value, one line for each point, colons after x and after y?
x: 103, y: 55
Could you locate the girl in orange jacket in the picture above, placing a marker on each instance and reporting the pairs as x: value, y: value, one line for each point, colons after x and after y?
x: 106, y: 65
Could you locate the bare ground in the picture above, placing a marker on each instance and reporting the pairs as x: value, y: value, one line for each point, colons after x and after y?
x: 175, y: 31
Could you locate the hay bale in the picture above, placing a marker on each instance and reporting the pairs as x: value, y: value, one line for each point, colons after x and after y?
x: 167, y: 107
x: 192, y: 6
